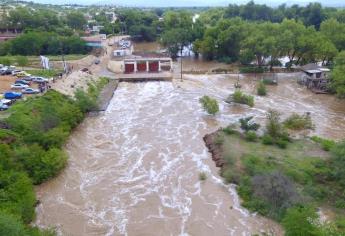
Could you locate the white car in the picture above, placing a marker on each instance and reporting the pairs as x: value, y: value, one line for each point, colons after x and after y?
x: 19, y: 86
x: 15, y: 72
x: 39, y: 79
x: 30, y: 91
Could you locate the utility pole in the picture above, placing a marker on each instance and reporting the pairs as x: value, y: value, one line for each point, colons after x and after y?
x: 63, y: 58
x: 181, y: 66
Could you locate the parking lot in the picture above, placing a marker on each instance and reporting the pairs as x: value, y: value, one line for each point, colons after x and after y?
x: 7, y: 80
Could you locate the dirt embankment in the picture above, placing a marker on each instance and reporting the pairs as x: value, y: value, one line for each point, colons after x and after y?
x: 215, y: 149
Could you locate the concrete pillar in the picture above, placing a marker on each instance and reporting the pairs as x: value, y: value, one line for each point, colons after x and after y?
x: 147, y: 66
x: 159, y: 66
x: 135, y: 66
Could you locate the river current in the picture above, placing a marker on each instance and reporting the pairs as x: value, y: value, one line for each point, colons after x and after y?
x: 134, y: 169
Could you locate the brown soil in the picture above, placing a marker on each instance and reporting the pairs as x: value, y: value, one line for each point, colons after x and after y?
x: 5, y: 82
x: 215, y: 150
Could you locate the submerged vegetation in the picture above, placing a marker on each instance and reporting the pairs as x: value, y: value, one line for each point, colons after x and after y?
x: 287, y: 184
x: 261, y: 90
x: 241, y: 98
x: 299, y: 122
x: 31, y: 152
x: 209, y: 104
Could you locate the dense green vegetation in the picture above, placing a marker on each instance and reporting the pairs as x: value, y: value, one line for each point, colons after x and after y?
x: 239, y: 97
x: 298, y: 122
x: 209, y: 104
x: 285, y: 184
x: 43, y: 43
x: 31, y: 151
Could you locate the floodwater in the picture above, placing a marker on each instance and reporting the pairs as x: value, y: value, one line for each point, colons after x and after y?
x: 134, y: 169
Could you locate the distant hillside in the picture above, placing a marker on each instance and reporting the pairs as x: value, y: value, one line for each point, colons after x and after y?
x: 189, y: 3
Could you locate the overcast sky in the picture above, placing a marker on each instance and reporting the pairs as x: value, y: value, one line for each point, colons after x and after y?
x: 167, y: 3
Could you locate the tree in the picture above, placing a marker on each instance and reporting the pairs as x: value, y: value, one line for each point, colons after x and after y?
x: 209, y: 104
x: 335, y: 32
x: 274, y: 127
x: 175, y: 40
x: 10, y: 225
x: 277, y: 190
x: 338, y: 75
x: 75, y: 20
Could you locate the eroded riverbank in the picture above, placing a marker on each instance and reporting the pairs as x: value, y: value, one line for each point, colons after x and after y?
x: 134, y: 169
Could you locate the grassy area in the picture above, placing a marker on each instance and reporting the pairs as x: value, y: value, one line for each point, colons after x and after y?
x: 44, y: 73
x: 277, y: 182
x: 69, y: 57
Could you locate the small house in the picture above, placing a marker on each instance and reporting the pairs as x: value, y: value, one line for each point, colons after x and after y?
x: 315, y: 77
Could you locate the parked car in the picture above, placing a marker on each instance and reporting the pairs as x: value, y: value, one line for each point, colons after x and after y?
x: 27, y: 78
x: 7, y: 102
x: 15, y: 72
x: 19, y: 86
x: 5, y: 71
x: 22, y: 74
x: 21, y: 81
x: 12, y: 95
x: 30, y: 91
x: 39, y: 79
x: 3, y: 106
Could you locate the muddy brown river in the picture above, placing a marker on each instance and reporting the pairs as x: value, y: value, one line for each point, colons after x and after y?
x: 133, y: 170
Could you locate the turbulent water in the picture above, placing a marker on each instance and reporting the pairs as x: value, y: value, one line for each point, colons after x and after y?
x: 134, y: 170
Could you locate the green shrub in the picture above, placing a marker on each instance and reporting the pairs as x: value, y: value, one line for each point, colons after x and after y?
x: 281, y: 143
x: 17, y: 194
x: 251, y: 136
x: 267, y: 139
x: 11, y: 226
x: 273, y: 126
x: 40, y: 164
x: 248, y: 125
x: 202, y: 176
x: 326, y: 144
x: 261, y: 90
x: 85, y: 102
x: 230, y: 129
x: 299, y: 122
x: 252, y: 69
x: 231, y: 176
x: 338, y: 162
x: 239, y: 97
x: 209, y: 104
x: 301, y: 220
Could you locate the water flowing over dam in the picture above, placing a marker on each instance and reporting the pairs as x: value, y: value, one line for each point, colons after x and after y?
x: 134, y: 169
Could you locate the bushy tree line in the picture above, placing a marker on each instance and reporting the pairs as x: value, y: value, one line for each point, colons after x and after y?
x: 31, y: 152
x: 43, y: 19
x: 43, y: 43
x: 311, y: 15
x: 238, y: 40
